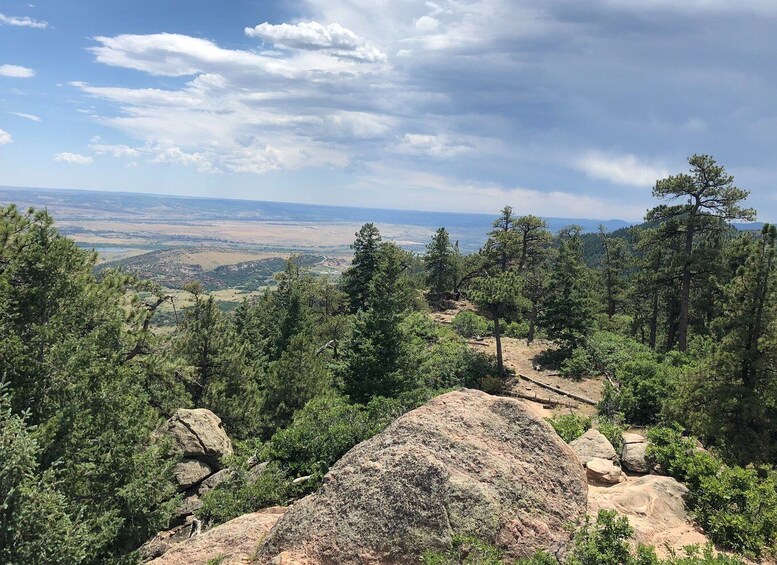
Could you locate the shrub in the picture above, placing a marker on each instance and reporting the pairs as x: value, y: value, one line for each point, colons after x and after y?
x: 466, y: 550
x: 569, y: 426
x: 469, y: 324
x: 578, y: 365
x: 736, y: 506
x: 613, y: 432
x: 516, y: 330
x: 645, y: 387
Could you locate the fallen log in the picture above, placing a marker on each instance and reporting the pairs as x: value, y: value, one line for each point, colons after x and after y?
x: 560, y: 391
x: 540, y: 400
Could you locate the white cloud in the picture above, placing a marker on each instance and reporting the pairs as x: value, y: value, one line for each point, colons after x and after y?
x: 31, y: 117
x: 332, y: 39
x: 73, y: 158
x: 22, y: 22
x: 619, y: 169
x: 431, y: 145
x: 16, y: 71
x: 114, y: 150
x: 5, y: 137
x: 175, y: 155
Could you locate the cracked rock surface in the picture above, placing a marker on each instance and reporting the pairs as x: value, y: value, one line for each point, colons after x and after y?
x: 198, y: 434
x: 465, y: 463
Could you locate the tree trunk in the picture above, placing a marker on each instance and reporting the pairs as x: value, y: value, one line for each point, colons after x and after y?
x: 498, y: 337
x: 685, y: 291
x: 532, y: 323
x: 654, y: 321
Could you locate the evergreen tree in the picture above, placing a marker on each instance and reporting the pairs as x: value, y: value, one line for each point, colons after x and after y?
x: 500, y: 296
x: 709, y: 194
x: 356, y: 280
x: 440, y: 263
x: 503, y: 245
x: 374, y: 351
x: 568, y: 308
x: 613, y: 268
x: 78, y: 394
x: 731, y: 400
x: 535, y: 240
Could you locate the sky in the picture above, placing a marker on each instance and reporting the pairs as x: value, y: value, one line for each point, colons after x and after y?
x: 559, y: 108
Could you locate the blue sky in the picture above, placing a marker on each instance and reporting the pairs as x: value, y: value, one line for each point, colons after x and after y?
x: 560, y: 108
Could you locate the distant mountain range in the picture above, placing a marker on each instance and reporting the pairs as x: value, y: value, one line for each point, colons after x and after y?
x: 75, y: 205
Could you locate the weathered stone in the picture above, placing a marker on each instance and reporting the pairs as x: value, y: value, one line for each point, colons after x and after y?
x: 214, y: 480
x: 593, y: 444
x: 233, y: 543
x: 190, y: 472
x: 630, y: 437
x: 655, y: 508
x: 198, y: 434
x: 604, y: 471
x: 633, y: 457
x: 465, y: 463
x: 189, y: 505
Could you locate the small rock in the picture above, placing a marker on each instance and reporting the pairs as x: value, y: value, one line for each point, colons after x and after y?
x: 190, y: 472
x: 300, y: 480
x: 633, y: 457
x: 599, y: 470
x: 198, y: 434
x: 629, y: 437
x: 189, y: 505
x: 593, y: 444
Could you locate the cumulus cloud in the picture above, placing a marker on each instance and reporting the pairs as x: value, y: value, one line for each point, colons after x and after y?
x: 22, y: 22
x: 31, y: 117
x: 73, y: 158
x: 5, y: 137
x: 332, y: 39
x: 16, y: 71
x: 619, y: 169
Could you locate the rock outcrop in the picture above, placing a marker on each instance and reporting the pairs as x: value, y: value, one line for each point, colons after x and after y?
x: 465, y: 463
x: 201, y: 443
x: 231, y: 543
x: 655, y: 508
x: 593, y: 444
x: 198, y: 434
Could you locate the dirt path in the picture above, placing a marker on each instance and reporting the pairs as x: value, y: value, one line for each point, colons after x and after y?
x: 523, y: 360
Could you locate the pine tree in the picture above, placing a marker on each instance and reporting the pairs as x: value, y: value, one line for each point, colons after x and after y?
x: 731, y: 399
x: 500, y: 296
x: 440, y: 263
x: 613, y: 268
x: 710, y: 195
x: 375, y: 347
x: 568, y: 308
x: 356, y: 280
x: 503, y: 245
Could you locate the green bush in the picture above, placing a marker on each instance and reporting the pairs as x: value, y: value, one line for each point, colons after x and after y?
x: 613, y: 432
x: 578, y: 365
x: 466, y: 550
x: 645, y: 387
x: 605, y: 541
x: 469, y: 324
x: 516, y: 330
x: 569, y: 426
x: 736, y: 506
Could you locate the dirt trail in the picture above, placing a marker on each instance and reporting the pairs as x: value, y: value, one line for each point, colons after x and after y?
x: 523, y: 360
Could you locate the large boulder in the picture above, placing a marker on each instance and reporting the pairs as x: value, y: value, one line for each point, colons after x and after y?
x: 593, y: 444
x: 465, y: 463
x: 198, y: 434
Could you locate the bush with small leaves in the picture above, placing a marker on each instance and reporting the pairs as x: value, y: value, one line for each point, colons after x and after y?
x: 569, y: 426
x: 469, y: 324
